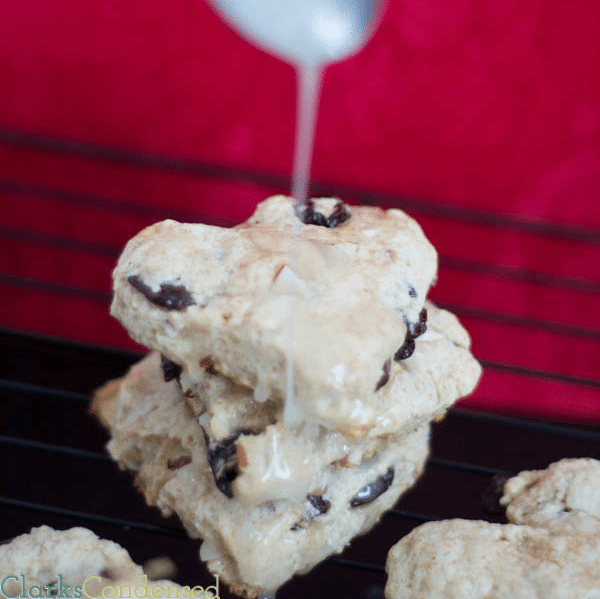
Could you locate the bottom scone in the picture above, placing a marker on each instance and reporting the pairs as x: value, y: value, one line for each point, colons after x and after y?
x: 70, y: 563
x: 551, y: 549
x: 255, y: 548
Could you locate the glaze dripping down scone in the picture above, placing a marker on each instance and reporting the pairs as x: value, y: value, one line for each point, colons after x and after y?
x: 550, y: 549
x: 272, y: 481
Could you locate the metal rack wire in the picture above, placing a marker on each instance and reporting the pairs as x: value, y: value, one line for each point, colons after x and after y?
x: 56, y: 471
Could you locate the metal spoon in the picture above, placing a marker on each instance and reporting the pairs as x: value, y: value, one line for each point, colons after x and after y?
x: 309, y: 34
x: 314, y: 32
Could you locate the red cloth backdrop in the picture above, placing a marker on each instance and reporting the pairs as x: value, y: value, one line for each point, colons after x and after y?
x: 486, y: 105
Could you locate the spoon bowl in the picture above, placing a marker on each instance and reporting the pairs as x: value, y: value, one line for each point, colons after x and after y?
x: 313, y: 32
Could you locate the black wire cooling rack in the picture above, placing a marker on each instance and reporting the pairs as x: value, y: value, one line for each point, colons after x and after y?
x: 55, y: 470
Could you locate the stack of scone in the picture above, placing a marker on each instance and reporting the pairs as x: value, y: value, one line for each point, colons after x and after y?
x: 550, y: 549
x: 296, y: 368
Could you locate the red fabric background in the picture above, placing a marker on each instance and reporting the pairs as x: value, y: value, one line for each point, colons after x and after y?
x: 488, y: 105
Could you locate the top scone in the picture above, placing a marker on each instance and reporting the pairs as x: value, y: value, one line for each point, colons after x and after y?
x: 225, y: 299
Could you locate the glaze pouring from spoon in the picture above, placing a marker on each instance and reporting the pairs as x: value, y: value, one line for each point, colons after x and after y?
x: 309, y: 34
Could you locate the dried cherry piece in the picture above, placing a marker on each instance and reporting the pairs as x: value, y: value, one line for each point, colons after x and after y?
x: 170, y: 370
x: 169, y: 296
x: 385, y: 377
x: 225, y: 482
x: 321, y: 505
x: 413, y: 330
x: 209, y: 365
x: 318, y: 506
x: 339, y: 215
x: 406, y: 351
x: 373, y: 490
x: 223, y: 463
x: 307, y: 213
x: 416, y: 329
x: 180, y: 462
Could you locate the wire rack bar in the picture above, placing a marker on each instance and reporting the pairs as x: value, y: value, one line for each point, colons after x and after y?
x: 471, y: 266
x: 521, y: 321
x: 146, y: 159
x: 541, y: 374
x: 57, y: 288
x: 461, y: 214
x: 58, y: 241
x: 516, y: 273
x: 42, y: 390
x: 492, y: 365
x: 552, y: 429
x: 138, y: 158
x: 92, y: 455
x: 465, y: 467
x: 406, y: 515
x: 171, y: 532
x: 469, y: 311
x: 85, y: 516
x: 71, y: 452
x: 355, y: 565
x: 107, y: 203
x: 160, y: 530
x: 64, y: 343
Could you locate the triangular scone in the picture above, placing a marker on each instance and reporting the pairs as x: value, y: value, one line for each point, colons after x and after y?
x: 254, y: 547
x: 339, y: 302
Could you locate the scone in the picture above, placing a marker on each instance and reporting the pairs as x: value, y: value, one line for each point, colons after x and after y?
x: 70, y: 563
x: 336, y: 304
x: 461, y: 559
x: 550, y: 550
x: 298, y: 365
x: 565, y: 496
x: 254, y: 547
